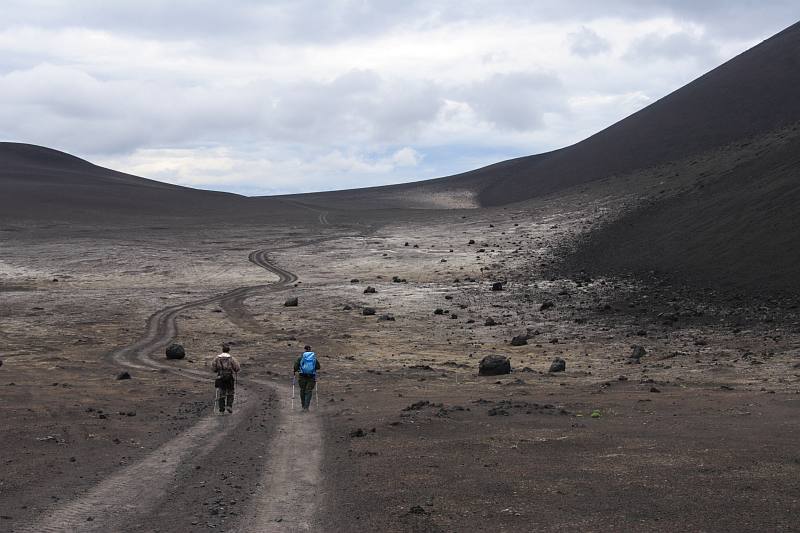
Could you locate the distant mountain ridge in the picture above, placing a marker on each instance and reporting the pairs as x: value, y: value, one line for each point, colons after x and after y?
x: 738, y: 227
x: 752, y: 93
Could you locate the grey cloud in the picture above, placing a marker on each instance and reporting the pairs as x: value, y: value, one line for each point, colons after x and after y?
x: 315, y: 21
x: 516, y: 101
x: 587, y: 42
x: 68, y: 108
x: 358, y: 105
x: 677, y: 45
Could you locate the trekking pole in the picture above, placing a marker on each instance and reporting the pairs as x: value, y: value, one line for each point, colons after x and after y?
x: 216, y: 399
x: 292, y: 391
x: 317, y: 393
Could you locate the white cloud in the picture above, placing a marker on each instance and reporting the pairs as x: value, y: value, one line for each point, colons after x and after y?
x: 586, y: 42
x: 286, y: 96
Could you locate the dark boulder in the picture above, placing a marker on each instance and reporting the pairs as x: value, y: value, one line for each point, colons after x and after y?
x: 494, y: 365
x: 175, y: 351
x: 546, y: 305
x: 124, y: 375
x: 519, y: 340
x: 558, y: 365
x: 497, y: 286
x: 637, y: 353
x: 368, y: 311
x: 438, y: 311
x: 490, y: 322
x: 355, y: 280
x: 291, y: 302
x: 386, y: 318
x: 369, y: 290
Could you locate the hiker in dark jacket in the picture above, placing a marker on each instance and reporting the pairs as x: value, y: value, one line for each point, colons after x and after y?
x: 306, y: 365
x: 226, y: 368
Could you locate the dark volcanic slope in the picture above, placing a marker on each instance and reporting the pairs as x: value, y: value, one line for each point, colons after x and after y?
x: 38, y: 183
x: 749, y: 95
x: 55, y: 184
x: 737, y: 229
x: 753, y: 93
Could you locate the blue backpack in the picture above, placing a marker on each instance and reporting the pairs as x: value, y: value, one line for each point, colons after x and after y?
x: 308, y: 363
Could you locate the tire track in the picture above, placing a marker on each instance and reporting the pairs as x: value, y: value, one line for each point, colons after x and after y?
x: 291, y: 483
x: 233, y: 302
x: 133, y: 490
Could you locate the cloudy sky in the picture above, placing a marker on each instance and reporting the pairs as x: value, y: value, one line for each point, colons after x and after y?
x: 266, y: 97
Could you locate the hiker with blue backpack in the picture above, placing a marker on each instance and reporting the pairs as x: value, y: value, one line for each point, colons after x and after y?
x: 306, y: 365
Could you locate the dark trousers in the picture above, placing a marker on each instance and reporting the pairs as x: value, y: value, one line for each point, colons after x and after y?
x: 225, y: 397
x: 306, y: 389
x: 226, y: 388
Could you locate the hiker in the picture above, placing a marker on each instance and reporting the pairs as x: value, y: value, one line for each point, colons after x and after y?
x: 307, y: 365
x: 226, y: 368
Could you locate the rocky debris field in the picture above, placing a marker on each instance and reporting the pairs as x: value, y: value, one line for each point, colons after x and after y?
x: 609, y: 403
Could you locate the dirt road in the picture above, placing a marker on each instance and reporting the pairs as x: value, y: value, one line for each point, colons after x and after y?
x: 132, y: 492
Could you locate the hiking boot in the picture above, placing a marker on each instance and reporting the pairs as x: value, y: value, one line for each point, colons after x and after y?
x: 230, y: 409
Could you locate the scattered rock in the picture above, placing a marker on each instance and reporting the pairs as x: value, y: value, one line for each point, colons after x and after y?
x: 369, y: 290
x: 637, y: 353
x: 653, y: 389
x: 175, y: 351
x: 355, y: 280
x: 494, y: 365
x: 471, y: 241
x: 368, y: 311
x: 386, y: 318
x: 398, y: 279
x: 546, y: 305
x: 346, y: 308
x: 291, y: 302
x: 490, y: 322
x: 357, y: 433
x: 438, y: 311
x: 519, y: 340
x: 416, y: 406
x: 497, y: 286
x: 124, y: 375
x: 558, y: 365
x: 417, y: 510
